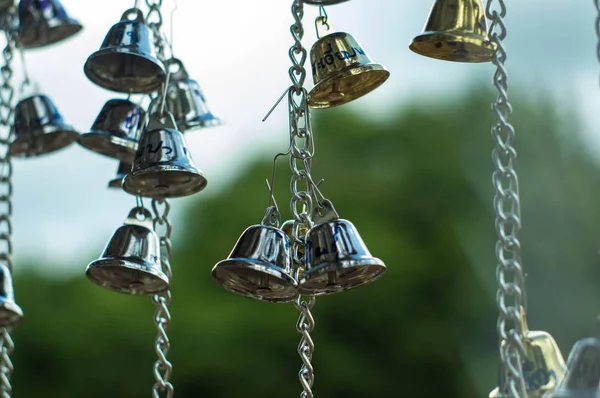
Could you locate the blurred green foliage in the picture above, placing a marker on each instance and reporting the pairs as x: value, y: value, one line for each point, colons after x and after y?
x: 417, y: 185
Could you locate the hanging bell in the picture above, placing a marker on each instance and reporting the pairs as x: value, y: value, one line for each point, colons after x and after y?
x: 543, y: 366
x: 39, y: 128
x: 130, y: 263
x: 122, y: 171
x: 260, y: 266
x: 337, y: 259
x: 44, y: 22
x: 455, y: 31
x: 583, y: 372
x: 11, y: 314
x: 342, y: 70
x: 116, y: 131
x: 163, y: 166
x: 186, y: 101
x: 127, y: 61
x: 323, y: 3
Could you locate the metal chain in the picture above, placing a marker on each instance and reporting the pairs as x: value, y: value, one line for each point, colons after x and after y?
x: 162, y: 367
x: 154, y: 19
x: 597, y: 4
x: 7, y: 94
x: 509, y: 271
x: 302, y: 151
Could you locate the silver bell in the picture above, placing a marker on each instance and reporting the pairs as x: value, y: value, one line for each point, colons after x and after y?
x: 122, y: 171
x: 44, y: 22
x: 337, y: 259
x: 127, y: 60
x: 39, y: 128
x: 260, y: 266
x: 186, y: 100
x: 130, y: 263
x: 116, y: 131
x: 11, y: 314
x: 163, y: 165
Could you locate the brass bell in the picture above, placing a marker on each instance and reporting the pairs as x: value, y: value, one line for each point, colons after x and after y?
x: 39, y: 128
x: 127, y: 61
x: 122, y: 171
x: 583, y: 372
x: 44, y: 22
x: 543, y: 366
x: 163, y: 166
x: 342, y: 70
x: 116, y: 131
x: 455, y: 31
x: 186, y: 101
x: 323, y: 3
x: 130, y: 263
x: 337, y: 259
x: 260, y: 266
x: 11, y: 314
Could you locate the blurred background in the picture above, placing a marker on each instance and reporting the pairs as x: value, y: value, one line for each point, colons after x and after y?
x: 409, y: 165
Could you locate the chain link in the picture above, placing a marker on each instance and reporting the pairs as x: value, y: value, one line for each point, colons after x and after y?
x: 306, y: 348
x: 597, y: 4
x: 154, y: 19
x: 162, y: 318
x: 509, y: 271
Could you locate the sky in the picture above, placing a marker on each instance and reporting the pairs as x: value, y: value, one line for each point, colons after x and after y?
x: 237, y: 51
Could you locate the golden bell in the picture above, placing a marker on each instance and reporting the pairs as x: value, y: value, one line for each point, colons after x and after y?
x: 342, y: 70
x: 455, y: 31
x: 543, y: 367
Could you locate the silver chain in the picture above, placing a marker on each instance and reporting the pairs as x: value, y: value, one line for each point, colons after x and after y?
x: 509, y: 272
x: 597, y: 4
x: 154, y: 19
x: 7, y: 93
x: 162, y: 367
x: 302, y: 151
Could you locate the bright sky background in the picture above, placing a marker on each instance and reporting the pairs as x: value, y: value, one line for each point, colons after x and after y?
x: 237, y: 50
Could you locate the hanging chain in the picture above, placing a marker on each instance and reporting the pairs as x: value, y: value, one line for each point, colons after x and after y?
x: 154, y: 18
x: 162, y: 367
x: 302, y: 151
x: 7, y: 93
x: 509, y: 272
x: 597, y: 4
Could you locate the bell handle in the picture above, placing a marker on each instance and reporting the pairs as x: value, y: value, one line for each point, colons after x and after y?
x: 324, y: 212
x: 132, y: 218
x: 272, y: 217
x: 161, y: 121
x: 139, y: 16
x: 324, y: 26
x: 179, y: 73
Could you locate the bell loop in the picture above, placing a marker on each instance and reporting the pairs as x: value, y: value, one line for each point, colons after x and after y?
x: 139, y: 16
x: 323, y: 26
x: 133, y: 217
x: 324, y: 212
x: 272, y: 217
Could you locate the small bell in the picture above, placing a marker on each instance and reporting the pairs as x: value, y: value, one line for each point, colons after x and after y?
x: 44, y: 22
x: 11, y: 314
x: 186, y: 101
x: 163, y: 165
x: 39, y: 128
x: 342, y: 70
x: 116, y: 131
x: 122, y: 171
x: 455, y: 31
x: 543, y: 367
x: 127, y: 61
x: 260, y: 266
x: 337, y: 259
x: 323, y: 3
x: 130, y: 263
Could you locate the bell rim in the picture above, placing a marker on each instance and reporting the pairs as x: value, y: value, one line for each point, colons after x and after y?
x: 199, y: 123
x: 323, y: 3
x: 347, y: 72
x: 116, y: 182
x: 20, y: 146
x: 15, y: 314
x: 425, y: 40
x: 257, y: 266
x: 117, y: 263
x: 75, y: 26
x: 120, y: 88
x: 109, y: 144
x: 132, y: 186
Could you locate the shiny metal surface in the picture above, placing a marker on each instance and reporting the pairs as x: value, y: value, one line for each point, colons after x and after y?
x: 116, y: 131
x: 11, y: 315
x: 127, y: 60
x: 259, y: 266
x: 122, y: 171
x: 44, y: 22
x: 323, y: 3
x: 583, y: 374
x: 456, y: 30
x: 40, y: 128
x: 186, y: 101
x: 6, y: 4
x: 130, y: 262
x: 342, y: 71
x: 288, y: 228
x: 337, y: 259
x: 163, y: 165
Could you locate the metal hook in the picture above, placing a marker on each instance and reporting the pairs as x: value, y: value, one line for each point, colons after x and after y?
x: 136, y: 4
x: 163, y: 100
x: 175, y: 7
x: 272, y: 201
x: 323, y: 13
x: 27, y: 80
x: 287, y: 90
